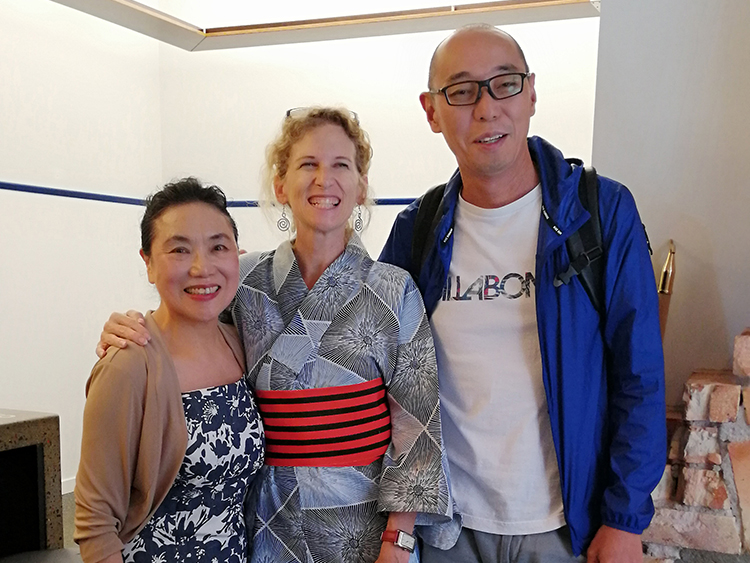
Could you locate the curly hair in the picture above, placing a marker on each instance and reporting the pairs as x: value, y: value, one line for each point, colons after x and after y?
x: 296, y: 125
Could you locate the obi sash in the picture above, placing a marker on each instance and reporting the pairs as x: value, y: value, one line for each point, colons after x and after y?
x: 342, y: 426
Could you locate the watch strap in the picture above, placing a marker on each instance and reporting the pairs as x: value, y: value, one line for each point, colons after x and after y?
x: 389, y: 536
x: 397, y: 538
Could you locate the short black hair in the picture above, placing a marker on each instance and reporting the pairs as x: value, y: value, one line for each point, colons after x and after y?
x: 180, y: 192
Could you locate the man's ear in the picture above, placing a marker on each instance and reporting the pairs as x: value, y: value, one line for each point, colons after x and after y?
x: 428, y: 105
x: 147, y: 261
x: 278, y: 190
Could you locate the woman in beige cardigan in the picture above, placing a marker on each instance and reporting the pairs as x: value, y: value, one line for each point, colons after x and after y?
x: 171, y: 437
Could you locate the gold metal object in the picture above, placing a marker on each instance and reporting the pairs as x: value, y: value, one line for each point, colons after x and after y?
x: 666, y: 281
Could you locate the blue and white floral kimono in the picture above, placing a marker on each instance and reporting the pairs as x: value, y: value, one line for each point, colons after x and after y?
x: 362, y: 321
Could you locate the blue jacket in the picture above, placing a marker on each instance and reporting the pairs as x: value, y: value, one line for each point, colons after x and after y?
x: 604, y: 377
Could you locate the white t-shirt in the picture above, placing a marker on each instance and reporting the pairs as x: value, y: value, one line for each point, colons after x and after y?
x: 495, y: 420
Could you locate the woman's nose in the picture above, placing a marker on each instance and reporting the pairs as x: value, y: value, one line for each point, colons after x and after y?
x: 200, y: 265
x: 323, y: 177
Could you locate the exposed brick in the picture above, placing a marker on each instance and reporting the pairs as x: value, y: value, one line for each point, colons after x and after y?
x: 704, y: 487
x: 708, y: 531
x: 737, y: 431
x: 696, y: 556
x: 739, y: 455
x: 664, y: 491
x: 702, y: 446
x: 725, y: 400
x: 696, y: 397
x: 657, y: 551
x: 712, y: 395
x: 741, y: 363
x: 677, y: 445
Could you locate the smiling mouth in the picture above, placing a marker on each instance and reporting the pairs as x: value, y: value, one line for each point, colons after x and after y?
x: 324, y: 202
x: 202, y: 290
x: 493, y: 139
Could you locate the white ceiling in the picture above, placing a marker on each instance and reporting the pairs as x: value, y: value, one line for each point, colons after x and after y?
x: 198, y: 25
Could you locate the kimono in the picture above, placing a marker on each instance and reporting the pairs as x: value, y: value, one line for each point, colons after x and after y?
x: 362, y: 321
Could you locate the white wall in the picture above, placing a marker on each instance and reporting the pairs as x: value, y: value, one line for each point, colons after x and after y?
x: 79, y: 109
x: 80, y: 100
x: 221, y: 108
x: 86, y: 105
x: 673, y: 123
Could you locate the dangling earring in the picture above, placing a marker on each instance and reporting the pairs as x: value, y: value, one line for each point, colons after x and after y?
x: 358, y: 221
x: 283, y: 223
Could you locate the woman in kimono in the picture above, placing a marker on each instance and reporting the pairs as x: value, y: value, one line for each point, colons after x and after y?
x: 340, y: 355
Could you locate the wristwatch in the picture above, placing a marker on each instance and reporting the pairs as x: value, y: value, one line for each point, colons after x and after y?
x: 400, y: 539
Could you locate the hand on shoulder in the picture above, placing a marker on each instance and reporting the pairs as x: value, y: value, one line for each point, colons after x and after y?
x: 121, y: 329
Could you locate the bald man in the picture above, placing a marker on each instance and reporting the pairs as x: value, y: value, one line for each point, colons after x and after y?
x: 553, y: 414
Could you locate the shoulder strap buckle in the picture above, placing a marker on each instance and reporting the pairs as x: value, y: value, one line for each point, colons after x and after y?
x: 577, y: 266
x: 585, y: 246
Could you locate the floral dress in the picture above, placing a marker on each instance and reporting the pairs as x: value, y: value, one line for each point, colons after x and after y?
x: 202, y: 518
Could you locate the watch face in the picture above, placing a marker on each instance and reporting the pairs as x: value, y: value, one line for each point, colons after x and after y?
x: 405, y: 541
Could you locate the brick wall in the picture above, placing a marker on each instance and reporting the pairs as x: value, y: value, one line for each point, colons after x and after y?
x: 703, y: 500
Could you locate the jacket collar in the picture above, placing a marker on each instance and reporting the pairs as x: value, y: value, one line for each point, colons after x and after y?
x: 448, y: 205
x: 559, y: 179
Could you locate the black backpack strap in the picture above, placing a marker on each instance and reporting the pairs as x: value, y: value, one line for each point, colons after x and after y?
x: 585, y: 246
x: 423, y: 235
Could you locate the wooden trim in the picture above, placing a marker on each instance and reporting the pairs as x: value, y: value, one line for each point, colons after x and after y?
x: 387, y: 17
x: 168, y: 29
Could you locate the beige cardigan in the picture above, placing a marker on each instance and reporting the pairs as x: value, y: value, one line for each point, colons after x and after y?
x: 134, y: 442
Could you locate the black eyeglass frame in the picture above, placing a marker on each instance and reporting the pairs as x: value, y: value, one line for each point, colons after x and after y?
x: 481, y: 85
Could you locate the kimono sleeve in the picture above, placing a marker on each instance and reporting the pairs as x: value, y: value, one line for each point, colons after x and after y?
x: 414, y: 476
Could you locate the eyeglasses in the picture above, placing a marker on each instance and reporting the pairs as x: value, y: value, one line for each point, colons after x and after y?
x: 299, y: 112
x: 467, y: 93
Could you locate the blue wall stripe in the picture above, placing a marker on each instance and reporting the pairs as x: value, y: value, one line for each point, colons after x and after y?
x: 135, y: 201
x: 70, y: 193
x: 393, y: 200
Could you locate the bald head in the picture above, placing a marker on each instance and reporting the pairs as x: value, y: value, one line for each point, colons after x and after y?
x: 489, y: 136
x: 491, y: 32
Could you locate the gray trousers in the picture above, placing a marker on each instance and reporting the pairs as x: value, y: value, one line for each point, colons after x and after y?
x: 481, y: 547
